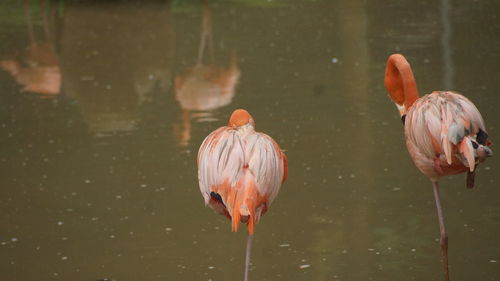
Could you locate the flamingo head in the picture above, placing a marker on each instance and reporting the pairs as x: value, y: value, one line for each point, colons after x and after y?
x: 241, y: 119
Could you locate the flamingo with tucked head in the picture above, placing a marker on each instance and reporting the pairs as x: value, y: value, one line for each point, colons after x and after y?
x: 445, y: 133
x: 240, y: 172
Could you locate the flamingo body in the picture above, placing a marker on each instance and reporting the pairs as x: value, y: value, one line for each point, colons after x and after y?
x: 240, y: 170
x: 445, y: 134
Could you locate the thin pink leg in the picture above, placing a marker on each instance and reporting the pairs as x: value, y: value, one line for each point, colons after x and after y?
x: 443, y: 241
x: 247, y: 257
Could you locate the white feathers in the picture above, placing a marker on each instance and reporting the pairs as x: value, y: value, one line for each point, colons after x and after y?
x: 228, y: 154
x: 266, y: 163
x: 444, y: 123
x: 221, y: 157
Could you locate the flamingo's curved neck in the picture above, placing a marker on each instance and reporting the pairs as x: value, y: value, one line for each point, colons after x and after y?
x: 399, y: 81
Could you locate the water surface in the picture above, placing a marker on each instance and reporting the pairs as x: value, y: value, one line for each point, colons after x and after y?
x: 99, y: 176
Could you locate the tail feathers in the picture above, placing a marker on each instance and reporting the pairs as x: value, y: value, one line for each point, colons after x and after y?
x: 466, y: 149
x: 245, y: 204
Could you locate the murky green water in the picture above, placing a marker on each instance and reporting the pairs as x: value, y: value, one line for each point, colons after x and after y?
x: 99, y: 176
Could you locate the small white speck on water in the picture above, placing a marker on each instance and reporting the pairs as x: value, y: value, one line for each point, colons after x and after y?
x: 13, y: 239
x: 64, y: 258
x: 413, y: 250
x: 144, y: 185
x: 87, y: 181
x: 487, y: 168
x: 167, y: 229
x: 339, y: 177
x: 284, y: 245
x: 112, y: 236
x: 211, y: 267
x: 344, y: 251
x: 303, y: 266
x: 118, y: 197
x: 396, y: 189
x: 371, y: 249
x: 493, y: 261
x: 335, y: 60
x: 60, y: 223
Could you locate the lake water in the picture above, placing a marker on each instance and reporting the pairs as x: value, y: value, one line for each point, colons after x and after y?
x: 99, y: 177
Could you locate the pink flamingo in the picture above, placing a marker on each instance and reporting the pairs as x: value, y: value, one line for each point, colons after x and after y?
x: 445, y: 133
x: 240, y: 172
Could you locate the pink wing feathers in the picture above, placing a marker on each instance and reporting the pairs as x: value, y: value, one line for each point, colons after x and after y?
x: 446, y: 125
x: 244, y: 171
x: 220, y: 159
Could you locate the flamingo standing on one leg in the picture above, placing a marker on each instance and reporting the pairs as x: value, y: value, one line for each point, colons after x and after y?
x: 240, y: 173
x: 444, y: 132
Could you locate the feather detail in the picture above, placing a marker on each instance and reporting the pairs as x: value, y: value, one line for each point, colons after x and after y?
x: 245, y: 168
x: 448, y: 127
x: 285, y: 167
x: 466, y: 149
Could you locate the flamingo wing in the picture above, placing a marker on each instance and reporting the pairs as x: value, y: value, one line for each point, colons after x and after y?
x: 220, y: 161
x: 267, y: 163
x: 446, y: 123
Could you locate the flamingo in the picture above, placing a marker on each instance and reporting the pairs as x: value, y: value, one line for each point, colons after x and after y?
x: 240, y: 172
x: 444, y: 131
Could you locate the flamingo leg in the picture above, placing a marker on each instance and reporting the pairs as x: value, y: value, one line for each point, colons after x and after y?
x: 247, y: 256
x: 443, y: 241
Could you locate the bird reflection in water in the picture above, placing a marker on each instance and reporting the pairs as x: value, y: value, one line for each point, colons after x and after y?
x: 205, y: 86
x: 37, y: 69
x: 115, y: 72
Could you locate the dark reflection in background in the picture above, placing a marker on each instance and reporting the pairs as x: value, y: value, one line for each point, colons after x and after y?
x: 114, y: 60
x: 99, y: 180
x: 205, y: 86
x: 36, y: 67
